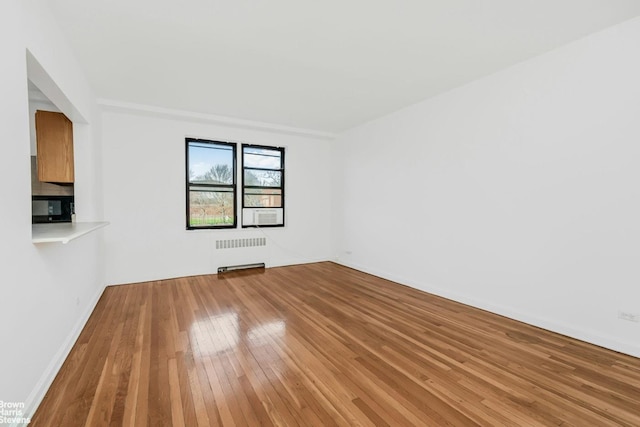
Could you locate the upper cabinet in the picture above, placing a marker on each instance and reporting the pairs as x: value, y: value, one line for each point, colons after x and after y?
x: 54, y: 140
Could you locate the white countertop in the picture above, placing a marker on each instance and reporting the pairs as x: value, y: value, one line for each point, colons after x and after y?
x: 63, y: 232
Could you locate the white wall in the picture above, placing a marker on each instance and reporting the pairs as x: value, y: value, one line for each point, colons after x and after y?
x: 47, y: 290
x: 518, y: 193
x: 144, y: 190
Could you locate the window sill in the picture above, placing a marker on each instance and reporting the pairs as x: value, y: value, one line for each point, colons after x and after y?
x: 63, y: 232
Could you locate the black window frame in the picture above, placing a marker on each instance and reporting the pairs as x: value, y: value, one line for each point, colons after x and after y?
x: 233, y: 186
x: 281, y: 187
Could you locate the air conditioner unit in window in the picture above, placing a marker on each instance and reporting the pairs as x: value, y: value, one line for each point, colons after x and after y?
x: 262, y: 217
x: 269, y: 217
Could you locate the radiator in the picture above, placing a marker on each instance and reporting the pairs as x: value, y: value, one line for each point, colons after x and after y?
x: 241, y: 243
x: 240, y: 267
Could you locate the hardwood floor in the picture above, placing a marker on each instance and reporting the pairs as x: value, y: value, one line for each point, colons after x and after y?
x: 324, y: 345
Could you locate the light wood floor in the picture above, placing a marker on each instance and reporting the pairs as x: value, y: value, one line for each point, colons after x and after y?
x: 324, y: 345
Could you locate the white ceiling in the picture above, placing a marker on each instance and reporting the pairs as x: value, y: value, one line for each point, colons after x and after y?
x: 325, y: 65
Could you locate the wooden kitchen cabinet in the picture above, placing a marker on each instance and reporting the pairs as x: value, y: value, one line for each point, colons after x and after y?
x: 54, y: 140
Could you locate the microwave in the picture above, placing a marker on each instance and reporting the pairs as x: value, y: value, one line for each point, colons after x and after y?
x: 45, y: 209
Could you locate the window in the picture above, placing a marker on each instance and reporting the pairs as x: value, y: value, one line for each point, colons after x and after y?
x: 262, y: 186
x: 211, y: 184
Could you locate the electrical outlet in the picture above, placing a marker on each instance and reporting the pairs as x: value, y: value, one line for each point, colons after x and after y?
x: 631, y: 317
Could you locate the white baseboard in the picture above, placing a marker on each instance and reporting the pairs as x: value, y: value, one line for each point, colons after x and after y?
x: 630, y: 348
x: 36, y: 396
x: 297, y: 262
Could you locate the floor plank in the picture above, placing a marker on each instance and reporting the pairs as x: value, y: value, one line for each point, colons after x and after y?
x: 325, y: 345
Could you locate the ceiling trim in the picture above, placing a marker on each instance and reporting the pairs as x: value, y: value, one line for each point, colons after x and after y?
x: 129, y: 107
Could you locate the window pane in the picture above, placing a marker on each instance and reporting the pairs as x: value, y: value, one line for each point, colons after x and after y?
x: 266, y: 198
x: 262, y: 158
x: 263, y: 178
x: 210, y: 163
x: 262, y: 186
x: 209, y: 208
